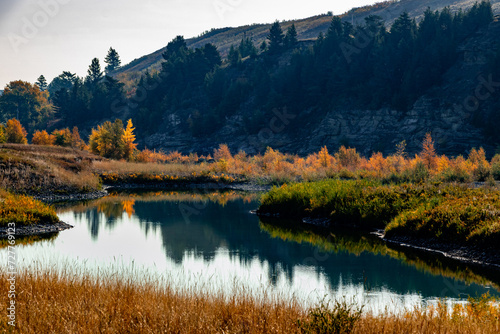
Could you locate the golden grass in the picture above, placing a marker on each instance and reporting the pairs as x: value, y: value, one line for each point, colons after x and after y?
x: 51, y: 301
x: 38, y: 169
x: 23, y: 210
x: 123, y: 167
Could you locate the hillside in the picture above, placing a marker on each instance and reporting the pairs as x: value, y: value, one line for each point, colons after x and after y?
x: 308, y: 28
x: 368, y: 86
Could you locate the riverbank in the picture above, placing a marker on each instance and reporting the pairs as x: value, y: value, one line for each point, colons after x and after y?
x: 24, y: 216
x: 60, y: 302
x: 454, y: 220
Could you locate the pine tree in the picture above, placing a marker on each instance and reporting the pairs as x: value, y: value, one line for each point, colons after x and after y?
x: 291, y: 37
x: 94, y: 73
x: 113, y: 60
x: 263, y: 46
x: 41, y: 83
x: 234, y: 56
x: 276, y: 38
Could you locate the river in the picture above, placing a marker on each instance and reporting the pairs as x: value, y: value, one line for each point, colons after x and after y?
x: 211, y: 241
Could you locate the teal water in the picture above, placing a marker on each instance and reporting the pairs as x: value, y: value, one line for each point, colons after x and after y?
x: 214, y: 242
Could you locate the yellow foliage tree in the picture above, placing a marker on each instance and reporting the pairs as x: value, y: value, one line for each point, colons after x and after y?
x: 222, y: 152
x: 128, y: 140
x: 324, y: 158
x: 428, y: 154
x: 42, y: 138
x: 348, y: 157
x: 62, y: 137
x: 107, y: 140
x: 76, y: 140
x: 16, y: 133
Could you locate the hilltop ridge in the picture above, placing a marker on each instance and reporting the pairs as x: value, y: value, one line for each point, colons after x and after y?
x: 307, y: 28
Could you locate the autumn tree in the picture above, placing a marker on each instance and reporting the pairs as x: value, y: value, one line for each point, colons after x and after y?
x: 15, y: 132
x: 25, y: 102
x: 113, y: 60
x: 76, y: 140
x: 348, y: 157
x: 325, y: 159
x: 107, y: 140
x: 3, y: 134
x: 42, y: 138
x: 222, y: 153
x: 128, y: 141
x: 428, y: 154
x: 62, y: 137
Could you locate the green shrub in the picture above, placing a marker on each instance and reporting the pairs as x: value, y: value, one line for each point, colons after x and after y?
x: 325, y: 320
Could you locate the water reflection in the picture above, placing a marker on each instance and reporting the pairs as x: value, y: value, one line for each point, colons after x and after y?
x: 213, y: 237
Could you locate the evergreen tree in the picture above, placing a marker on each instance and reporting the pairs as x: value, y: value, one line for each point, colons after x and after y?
x: 234, y: 56
x: 247, y: 48
x: 276, y: 38
x: 94, y: 73
x: 212, y: 55
x: 41, y: 83
x: 113, y: 60
x: 291, y: 37
x: 263, y: 46
x: 63, y: 81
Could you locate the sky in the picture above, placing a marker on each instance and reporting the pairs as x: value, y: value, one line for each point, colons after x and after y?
x: 51, y: 36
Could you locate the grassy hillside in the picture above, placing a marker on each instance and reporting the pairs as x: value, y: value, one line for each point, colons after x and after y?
x: 308, y: 28
x: 39, y: 170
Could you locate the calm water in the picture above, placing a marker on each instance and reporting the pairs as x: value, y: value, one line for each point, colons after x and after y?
x: 213, y: 241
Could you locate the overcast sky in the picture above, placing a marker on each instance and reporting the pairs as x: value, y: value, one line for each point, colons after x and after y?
x: 50, y: 36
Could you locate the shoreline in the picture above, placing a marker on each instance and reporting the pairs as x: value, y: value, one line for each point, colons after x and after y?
x: 242, y: 186
x: 35, y: 229
x: 47, y: 228
x: 476, y: 256
x: 482, y: 257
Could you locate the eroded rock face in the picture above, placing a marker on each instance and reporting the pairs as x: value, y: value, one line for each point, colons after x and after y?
x: 446, y: 111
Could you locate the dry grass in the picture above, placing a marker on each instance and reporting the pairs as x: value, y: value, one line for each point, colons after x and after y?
x: 58, y: 302
x: 40, y: 169
x: 48, y: 302
x: 123, y: 167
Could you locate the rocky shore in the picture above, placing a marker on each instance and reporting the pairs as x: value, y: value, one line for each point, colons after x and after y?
x: 193, y: 185
x: 71, y: 197
x: 485, y: 257
x: 37, y: 229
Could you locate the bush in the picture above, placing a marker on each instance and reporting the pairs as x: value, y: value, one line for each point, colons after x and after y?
x: 325, y: 320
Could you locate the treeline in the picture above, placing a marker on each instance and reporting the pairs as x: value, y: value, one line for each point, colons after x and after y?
x: 196, y: 91
x: 110, y: 140
x: 368, y: 66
